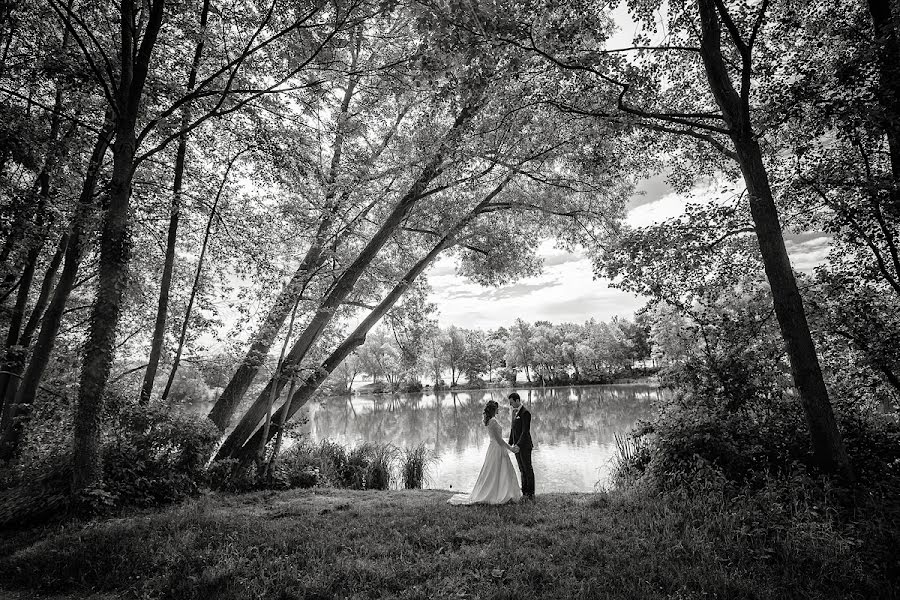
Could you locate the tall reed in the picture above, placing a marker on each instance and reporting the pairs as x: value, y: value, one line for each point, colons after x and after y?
x: 414, y: 466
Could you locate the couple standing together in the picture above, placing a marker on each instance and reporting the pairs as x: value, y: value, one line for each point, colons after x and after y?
x: 497, y: 483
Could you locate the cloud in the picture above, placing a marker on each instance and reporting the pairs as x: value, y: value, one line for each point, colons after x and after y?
x: 565, y: 291
x: 650, y: 190
x: 807, y: 254
x: 667, y: 207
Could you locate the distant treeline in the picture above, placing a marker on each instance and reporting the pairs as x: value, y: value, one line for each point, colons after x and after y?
x: 543, y: 353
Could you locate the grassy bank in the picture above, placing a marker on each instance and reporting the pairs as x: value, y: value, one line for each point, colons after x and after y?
x: 327, y: 543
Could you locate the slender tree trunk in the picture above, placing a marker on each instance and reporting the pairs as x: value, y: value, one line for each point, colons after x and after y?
x: 196, y: 285
x: 16, y: 356
x: 345, y: 284
x: 162, y: 309
x: 286, y: 409
x: 828, y: 448
x: 278, y: 371
x: 223, y: 410
x: 15, y: 411
x: 47, y: 285
x: 114, y: 249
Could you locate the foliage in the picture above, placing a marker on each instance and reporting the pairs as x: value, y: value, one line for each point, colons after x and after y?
x: 155, y: 457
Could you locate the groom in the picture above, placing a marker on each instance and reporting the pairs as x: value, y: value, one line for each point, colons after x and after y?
x: 520, y: 438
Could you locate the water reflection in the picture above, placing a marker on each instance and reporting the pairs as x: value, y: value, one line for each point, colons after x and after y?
x: 573, y: 429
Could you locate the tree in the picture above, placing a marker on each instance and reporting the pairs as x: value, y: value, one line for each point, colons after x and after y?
x: 454, y: 348
x: 475, y: 360
x: 519, y: 349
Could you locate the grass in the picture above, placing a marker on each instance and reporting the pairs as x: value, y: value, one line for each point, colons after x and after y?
x: 338, y: 543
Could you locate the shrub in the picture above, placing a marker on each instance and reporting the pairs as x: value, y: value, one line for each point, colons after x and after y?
x: 411, y: 386
x: 231, y: 475
x: 152, y: 456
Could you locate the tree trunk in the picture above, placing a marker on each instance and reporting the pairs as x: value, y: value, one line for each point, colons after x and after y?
x: 15, y: 411
x: 887, y: 37
x: 114, y: 249
x: 272, y: 398
x: 47, y: 286
x: 338, y: 294
x: 99, y: 349
x: 280, y: 428
x: 15, y: 364
x: 828, y: 448
x: 223, y: 410
x: 162, y: 309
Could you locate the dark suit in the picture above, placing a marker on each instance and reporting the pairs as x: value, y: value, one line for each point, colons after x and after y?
x: 520, y: 435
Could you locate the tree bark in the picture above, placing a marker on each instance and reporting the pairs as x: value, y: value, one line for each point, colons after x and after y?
x: 828, y: 448
x: 114, y: 248
x: 346, y: 282
x: 162, y: 309
x: 15, y: 411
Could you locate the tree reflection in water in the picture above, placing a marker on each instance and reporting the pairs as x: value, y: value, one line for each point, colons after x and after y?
x: 573, y: 428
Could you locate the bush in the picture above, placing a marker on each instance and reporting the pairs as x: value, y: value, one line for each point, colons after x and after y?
x: 152, y: 456
x: 411, y: 386
x: 766, y: 438
x: 231, y: 475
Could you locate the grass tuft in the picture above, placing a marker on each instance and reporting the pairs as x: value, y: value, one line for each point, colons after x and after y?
x: 415, y: 463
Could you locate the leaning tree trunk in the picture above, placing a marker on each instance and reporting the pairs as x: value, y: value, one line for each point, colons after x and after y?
x: 245, y: 450
x: 828, y: 448
x: 114, y: 249
x: 223, y: 410
x: 344, y: 285
x: 162, y: 308
x: 15, y: 410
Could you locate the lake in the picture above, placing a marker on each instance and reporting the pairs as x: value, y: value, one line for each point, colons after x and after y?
x: 573, y: 429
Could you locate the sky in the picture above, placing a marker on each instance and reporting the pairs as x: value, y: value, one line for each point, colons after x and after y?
x: 566, y: 290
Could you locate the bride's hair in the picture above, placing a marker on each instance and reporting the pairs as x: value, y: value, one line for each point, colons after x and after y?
x: 490, y: 409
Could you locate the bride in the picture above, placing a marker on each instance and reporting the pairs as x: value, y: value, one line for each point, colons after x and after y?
x: 497, y: 481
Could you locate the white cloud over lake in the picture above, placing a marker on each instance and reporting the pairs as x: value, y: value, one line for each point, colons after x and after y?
x: 566, y: 290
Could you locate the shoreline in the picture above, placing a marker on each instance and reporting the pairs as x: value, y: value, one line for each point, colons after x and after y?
x: 650, y: 380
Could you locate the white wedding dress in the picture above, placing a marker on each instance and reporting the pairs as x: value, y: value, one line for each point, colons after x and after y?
x: 497, y: 482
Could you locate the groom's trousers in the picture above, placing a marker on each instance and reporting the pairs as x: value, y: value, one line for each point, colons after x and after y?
x: 523, y: 457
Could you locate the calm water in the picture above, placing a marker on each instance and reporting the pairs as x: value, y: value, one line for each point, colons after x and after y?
x: 572, y: 427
